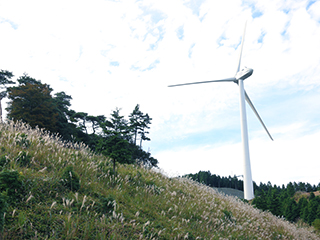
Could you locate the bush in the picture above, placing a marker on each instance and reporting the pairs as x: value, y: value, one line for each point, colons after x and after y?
x: 3, y: 160
x: 70, y: 179
x: 316, y: 224
x: 11, y: 183
x: 107, y: 204
x: 3, y: 209
x: 24, y: 159
x: 22, y: 140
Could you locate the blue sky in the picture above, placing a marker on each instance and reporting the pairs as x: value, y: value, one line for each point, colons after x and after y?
x: 109, y: 54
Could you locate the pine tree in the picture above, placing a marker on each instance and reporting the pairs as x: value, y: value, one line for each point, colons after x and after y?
x: 139, y: 123
x: 273, y: 202
x: 81, y: 119
x: 116, y: 148
x: 260, y: 201
x: 136, y: 120
x: 145, y: 126
x: 64, y: 127
x: 5, y: 77
x: 312, y: 210
x: 117, y: 125
x: 290, y: 189
x: 31, y: 102
x: 290, y: 211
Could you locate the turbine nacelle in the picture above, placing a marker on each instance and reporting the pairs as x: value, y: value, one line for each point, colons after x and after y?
x: 244, y: 73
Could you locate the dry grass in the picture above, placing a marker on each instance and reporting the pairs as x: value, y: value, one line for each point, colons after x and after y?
x: 134, y: 203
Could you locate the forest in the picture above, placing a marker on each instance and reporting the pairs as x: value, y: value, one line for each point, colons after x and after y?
x: 117, y: 137
x: 295, y: 201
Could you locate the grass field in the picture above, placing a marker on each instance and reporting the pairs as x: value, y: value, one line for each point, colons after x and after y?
x: 53, y: 190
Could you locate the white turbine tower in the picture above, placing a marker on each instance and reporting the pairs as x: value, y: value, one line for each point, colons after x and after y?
x: 240, y: 76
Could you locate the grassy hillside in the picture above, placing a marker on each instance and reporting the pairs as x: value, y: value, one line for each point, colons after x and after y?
x: 53, y: 191
x: 231, y: 192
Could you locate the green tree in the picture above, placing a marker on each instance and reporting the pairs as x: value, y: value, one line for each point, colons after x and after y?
x: 143, y: 133
x: 63, y: 126
x: 290, y: 211
x: 5, y: 77
x: 312, y: 210
x: 136, y: 121
x: 139, y: 123
x: 32, y: 103
x: 116, y: 148
x: 92, y: 138
x: 273, y: 202
x: 203, y: 177
x: 290, y: 189
x: 116, y: 125
x: 96, y: 122
x: 114, y: 144
x: 81, y: 118
x: 260, y: 201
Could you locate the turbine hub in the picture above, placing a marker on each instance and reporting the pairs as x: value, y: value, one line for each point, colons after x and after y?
x: 244, y: 73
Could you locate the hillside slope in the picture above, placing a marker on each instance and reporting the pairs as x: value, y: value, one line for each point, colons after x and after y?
x: 231, y: 192
x: 52, y: 190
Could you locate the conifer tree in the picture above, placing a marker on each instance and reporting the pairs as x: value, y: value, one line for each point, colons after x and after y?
x: 117, y: 125
x: 273, y: 202
x: 115, y: 148
x: 312, y: 210
x: 145, y: 125
x: 5, y: 77
x: 136, y: 121
x: 290, y: 211
x: 62, y: 104
x: 32, y: 103
x: 290, y: 189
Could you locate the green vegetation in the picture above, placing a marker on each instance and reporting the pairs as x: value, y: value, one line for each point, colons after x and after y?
x: 72, y: 193
x: 59, y: 180
x: 295, y: 202
x: 216, y: 181
x: 31, y: 102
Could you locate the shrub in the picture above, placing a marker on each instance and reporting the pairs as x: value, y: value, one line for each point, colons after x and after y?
x: 316, y: 224
x: 3, y: 209
x: 24, y: 159
x: 3, y: 160
x: 70, y: 179
x: 22, y: 140
x: 107, y: 204
x: 11, y: 183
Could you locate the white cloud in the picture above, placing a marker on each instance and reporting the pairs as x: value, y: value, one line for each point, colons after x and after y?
x: 314, y: 11
x: 281, y: 161
x: 109, y: 54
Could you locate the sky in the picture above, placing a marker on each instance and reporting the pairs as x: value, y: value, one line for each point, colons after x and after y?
x: 110, y: 54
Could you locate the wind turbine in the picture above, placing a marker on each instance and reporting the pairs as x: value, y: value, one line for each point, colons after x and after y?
x: 239, y: 77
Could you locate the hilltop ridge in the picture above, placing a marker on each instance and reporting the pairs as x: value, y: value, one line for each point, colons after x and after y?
x: 53, y: 190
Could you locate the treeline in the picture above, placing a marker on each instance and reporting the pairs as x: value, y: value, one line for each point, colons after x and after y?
x: 216, y: 181
x: 295, y: 201
x: 119, y: 138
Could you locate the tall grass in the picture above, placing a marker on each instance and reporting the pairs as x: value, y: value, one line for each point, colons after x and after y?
x: 133, y: 203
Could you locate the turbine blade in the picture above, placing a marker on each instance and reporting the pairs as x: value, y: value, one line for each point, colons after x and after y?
x: 221, y: 80
x: 242, y: 41
x: 257, y: 114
